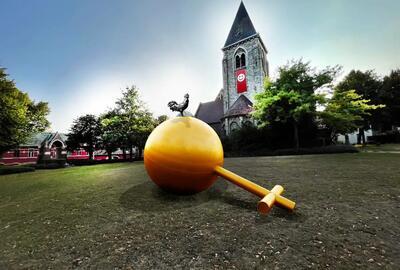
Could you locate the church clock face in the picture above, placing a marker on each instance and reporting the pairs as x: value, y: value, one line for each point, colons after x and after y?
x: 241, y: 77
x: 241, y: 84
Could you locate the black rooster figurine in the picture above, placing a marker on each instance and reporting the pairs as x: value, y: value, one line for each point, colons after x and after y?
x: 175, y: 107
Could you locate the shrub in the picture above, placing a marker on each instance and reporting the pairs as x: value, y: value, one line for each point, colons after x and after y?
x: 15, y: 169
x: 389, y: 137
x: 84, y: 162
x: 276, y: 136
x: 330, y: 149
x: 51, y: 164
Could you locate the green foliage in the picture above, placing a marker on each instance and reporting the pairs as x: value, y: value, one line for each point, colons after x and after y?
x: 126, y: 126
x: 292, y: 96
x: 369, y: 86
x: 366, y: 84
x: 136, y: 120
x: 20, y: 117
x: 113, y: 134
x: 345, y: 112
x: 390, y: 96
x: 85, y: 133
x: 161, y: 118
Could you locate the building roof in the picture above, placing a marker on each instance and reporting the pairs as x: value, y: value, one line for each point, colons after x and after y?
x: 39, y: 138
x: 242, y: 106
x: 242, y: 27
x: 211, y: 112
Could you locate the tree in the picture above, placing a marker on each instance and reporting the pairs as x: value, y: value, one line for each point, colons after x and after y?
x: 20, y: 117
x: 292, y: 97
x: 136, y: 120
x: 161, y: 118
x: 390, y: 96
x: 85, y: 133
x: 367, y: 84
x: 112, y: 132
x: 345, y: 112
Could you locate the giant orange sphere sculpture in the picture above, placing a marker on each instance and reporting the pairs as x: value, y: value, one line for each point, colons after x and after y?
x: 184, y: 155
x: 181, y: 153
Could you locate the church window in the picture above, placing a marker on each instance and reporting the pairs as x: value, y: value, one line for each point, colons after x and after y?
x: 248, y: 123
x: 234, y: 126
x: 240, y: 58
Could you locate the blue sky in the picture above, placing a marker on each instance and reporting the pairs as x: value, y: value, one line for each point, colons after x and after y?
x: 80, y: 54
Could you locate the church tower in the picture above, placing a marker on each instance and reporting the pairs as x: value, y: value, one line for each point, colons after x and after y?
x: 244, y: 68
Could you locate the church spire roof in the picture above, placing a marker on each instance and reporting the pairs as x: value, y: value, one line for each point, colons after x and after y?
x: 242, y: 27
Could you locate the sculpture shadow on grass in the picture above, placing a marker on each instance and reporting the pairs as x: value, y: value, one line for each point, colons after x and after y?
x: 149, y: 197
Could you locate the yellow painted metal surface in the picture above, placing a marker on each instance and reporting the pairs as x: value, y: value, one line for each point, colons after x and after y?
x: 181, y: 153
x: 253, y: 187
x: 266, y: 203
x: 185, y: 155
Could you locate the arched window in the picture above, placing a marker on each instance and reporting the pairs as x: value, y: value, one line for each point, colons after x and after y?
x: 240, y: 58
x: 243, y: 60
x: 234, y: 126
x: 248, y: 123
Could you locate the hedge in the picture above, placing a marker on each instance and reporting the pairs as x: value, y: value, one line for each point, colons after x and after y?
x: 331, y: 149
x: 15, y: 169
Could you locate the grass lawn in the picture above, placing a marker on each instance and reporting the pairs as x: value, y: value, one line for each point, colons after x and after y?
x: 383, y: 148
x: 112, y: 216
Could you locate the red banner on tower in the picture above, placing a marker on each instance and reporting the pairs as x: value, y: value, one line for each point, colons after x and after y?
x: 241, y: 85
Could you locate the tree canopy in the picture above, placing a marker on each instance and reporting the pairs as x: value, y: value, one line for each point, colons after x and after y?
x: 367, y: 85
x: 137, y: 120
x: 85, y: 133
x: 390, y: 96
x: 20, y: 117
x: 292, y: 96
x: 128, y: 124
x: 345, y: 112
x: 113, y: 135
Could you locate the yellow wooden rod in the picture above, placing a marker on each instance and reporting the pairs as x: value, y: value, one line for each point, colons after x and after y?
x: 252, y: 187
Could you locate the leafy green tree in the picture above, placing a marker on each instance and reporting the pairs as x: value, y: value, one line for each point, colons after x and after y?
x: 292, y: 97
x: 85, y: 133
x: 367, y: 84
x: 113, y: 135
x: 390, y: 96
x: 20, y: 117
x: 345, y: 111
x: 161, y: 118
x: 136, y: 119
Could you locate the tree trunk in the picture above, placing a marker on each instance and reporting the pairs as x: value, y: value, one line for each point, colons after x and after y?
x: 90, y: 154
x: 139, y: 153
x: 296, y: 136
x: 333, y: 137
x: 109, y: 153
x: 346, y: 139
x: 130, y: 153
x: 123, y: 153
x: 361, y: 136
